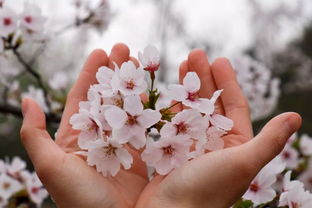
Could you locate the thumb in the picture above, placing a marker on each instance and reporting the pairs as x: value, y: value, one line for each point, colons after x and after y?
x: 272, y: 139
x: 40, y: 147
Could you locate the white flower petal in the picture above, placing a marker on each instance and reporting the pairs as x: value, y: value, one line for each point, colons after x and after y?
x: 191, y: 82
x: 125, y: 157
x: 148, y: 118
x: 177, y: 92
x: 133, y: 105
x: 221, y: 122
x: 116, y: 117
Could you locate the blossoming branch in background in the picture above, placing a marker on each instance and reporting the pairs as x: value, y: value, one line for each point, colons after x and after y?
x: 19, y: 187
x: 23, y: 39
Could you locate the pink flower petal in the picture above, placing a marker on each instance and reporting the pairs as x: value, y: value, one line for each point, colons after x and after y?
x: 221, y: 122
x: 191, y: 82
x: 148, y: 118
x: 116, y: 117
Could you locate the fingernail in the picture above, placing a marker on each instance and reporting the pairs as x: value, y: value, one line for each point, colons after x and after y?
x: 24, y: 106
x: 294, y: 122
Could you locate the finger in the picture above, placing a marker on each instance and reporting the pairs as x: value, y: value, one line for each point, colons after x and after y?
x: 40, y: 147
x: 271, y: 140
x: 198, y: 62
x: 119, y: 54
x: 79, y: 91
x: 234, y: 102
x: 183, y: 70
x: 135, y: 61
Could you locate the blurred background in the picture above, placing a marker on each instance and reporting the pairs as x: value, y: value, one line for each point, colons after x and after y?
x: 268, y: 42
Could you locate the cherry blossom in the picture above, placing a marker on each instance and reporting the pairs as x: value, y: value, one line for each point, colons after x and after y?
x: 8, y: 21
x: 34, y: 187
x: 150, y: 58
x: 188, y: 122
x: 91, y: 122
x: 32, y: 21
x: 129, y: 80
x: 108, y: 156
x: 290, y: 156
x: 167, y: 153
x: 212, y: 142
x: 188, y: 94
x: 59, y: 81
x: 306, y: 177
x: 260, y: 190
x: 17, y: 165
x: 104, y: 76
x: 9, y: 186
x: 220, y: 121
x: 129, y: 124
x: 306, y: 145
x: 296, y: 197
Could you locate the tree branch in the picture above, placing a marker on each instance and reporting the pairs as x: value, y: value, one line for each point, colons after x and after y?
x: 13, y: 110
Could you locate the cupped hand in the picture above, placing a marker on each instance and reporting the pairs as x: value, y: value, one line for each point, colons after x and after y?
x: 218, y: 179
x: 66, y: 176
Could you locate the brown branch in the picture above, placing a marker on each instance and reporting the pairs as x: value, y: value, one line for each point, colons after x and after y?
x: 13, y: 110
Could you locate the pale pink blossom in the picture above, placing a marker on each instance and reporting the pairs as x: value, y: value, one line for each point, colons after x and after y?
x: 220, y: 121
x: 9, y: 186
x: 260, y: 190
x: 306, y: 176
x: 32, y: 21
x: 91, y: 122
x: 17, y: 165
x: 8, y: 21
x: 150, y: 58
x: 212, y: 142
x: 104, y: 76
x: 167, y: 153
x: 306, y: 145
x: 34, y: 187
x: 108, y: 156
x: 129, y: 80
x: 290, y: 156
x: 129, y: 124
x: 189, y: 123
x: 296, y: 197
x: 188, y: 94
x: 59, y: 81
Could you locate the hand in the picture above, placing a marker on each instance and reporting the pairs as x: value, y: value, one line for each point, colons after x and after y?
x: 67, y: 177
x: 218, y: 179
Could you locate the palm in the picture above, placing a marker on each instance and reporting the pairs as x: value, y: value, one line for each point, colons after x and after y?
x: 181, y: 180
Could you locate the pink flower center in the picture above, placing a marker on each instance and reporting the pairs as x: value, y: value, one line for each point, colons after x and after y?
x: 132, y: 120
x: 28, y: 19
x: 152, y: 67
x: 6, y: 185
x: 286, y: 154
x: 34, y: 190
x: 181, y: 128
x: 109, y: 150
x: 130, y: 85
x: 93, y: 126
x: 7, y: 21
x: 254, y: 187
x: 169, y: 150
x: 193, y: 96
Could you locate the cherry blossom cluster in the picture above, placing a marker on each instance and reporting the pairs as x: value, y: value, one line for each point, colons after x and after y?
x: 18, y: 185
x: 261, y: 90
x: 27, y: 25
x: 287, y: 180
x: 125, y: 112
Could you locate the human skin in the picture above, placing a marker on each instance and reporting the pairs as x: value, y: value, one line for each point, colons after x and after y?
x: 216, y: 179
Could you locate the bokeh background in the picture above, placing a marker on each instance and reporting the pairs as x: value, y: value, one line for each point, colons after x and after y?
x: 269, y: 44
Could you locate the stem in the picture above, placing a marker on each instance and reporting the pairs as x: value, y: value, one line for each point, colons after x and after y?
x: 166, y: 109
x: 153, y: 80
